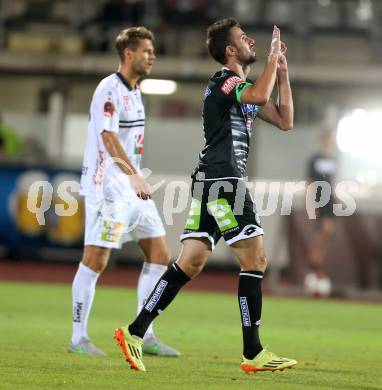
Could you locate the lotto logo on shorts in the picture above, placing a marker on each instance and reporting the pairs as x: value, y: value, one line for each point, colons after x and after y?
x: 156, y: 296
x: 111, y: 231
x: 230, y: 84
x: 245, y: 312
x: 250, y: 230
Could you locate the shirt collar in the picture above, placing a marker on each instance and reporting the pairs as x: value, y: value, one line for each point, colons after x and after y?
x: 124, y: 81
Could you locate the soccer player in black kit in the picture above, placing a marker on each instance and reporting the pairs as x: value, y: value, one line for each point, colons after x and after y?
x: 221, y: 204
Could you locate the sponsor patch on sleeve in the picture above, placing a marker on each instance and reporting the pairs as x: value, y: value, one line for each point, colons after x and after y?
x: 109, y: 109
x: 230, y: 84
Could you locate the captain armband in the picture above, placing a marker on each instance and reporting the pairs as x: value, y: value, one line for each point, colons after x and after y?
x: 240, y: 88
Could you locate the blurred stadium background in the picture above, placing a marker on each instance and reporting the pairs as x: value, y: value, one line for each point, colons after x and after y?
x: 54, y: 52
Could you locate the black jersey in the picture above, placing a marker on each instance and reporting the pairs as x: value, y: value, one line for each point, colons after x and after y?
x: 322, y: 168
x: 227, y: 126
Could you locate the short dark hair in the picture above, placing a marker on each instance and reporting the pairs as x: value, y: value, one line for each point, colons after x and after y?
x: 218, y: 38
x: 130, y: 37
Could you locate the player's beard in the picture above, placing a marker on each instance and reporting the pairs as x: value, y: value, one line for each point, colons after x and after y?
x: 141, y: 71
x: 250, y: 59
x: 247, y: 58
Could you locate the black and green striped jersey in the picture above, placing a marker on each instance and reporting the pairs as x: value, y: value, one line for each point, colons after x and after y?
x: 227, y: 128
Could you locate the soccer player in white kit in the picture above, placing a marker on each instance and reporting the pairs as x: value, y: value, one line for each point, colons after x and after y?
x: 118, y: 204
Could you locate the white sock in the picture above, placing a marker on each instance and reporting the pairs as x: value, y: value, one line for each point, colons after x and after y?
x: 83, y: 290
x: 148, y: 278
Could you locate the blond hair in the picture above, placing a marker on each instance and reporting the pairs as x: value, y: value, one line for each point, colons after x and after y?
x: 130, y: 37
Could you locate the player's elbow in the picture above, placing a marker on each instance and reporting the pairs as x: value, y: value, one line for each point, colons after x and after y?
x: 259, y: 99
x: 255, y: 96
x: 262, y: 100
x: 286, y: 126
x: 262, y: 97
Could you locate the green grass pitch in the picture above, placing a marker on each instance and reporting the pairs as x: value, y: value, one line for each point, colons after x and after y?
x: 338, y: 344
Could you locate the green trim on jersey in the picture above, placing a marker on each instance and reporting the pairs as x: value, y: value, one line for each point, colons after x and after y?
x: 240, y: 88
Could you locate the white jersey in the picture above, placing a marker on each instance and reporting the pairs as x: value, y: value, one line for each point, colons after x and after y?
x: 116, y: 107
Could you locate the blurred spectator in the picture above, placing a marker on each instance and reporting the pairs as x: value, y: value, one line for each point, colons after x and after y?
x: 122, y: 11
x: 183, y: 16
x: 185, y: 12
x: 33, y: 151
x: 10, y: 144
x: 136, y: 11
x: 322, y: 167
x: 116, y: 13
x: 39, y: 11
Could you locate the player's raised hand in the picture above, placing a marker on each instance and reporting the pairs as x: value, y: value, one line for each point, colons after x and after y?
x: 283, y: 48
x: 140, y: 186
x: 276, y: 43
x: 282, y: 64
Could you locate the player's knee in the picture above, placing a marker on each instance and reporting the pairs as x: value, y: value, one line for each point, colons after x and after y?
x: 257, y: 263
x: 192, y: 266
x: 96, y: 260
x: 262, y: 262
x: 97, y: 265
x: 162, y: 257
x: 198, y: 265
x: 166, y: 256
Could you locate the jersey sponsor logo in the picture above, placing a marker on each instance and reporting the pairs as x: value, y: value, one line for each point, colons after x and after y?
x: 230, y: 84
x: 245, y: 312
x: 193, y: 218
x: 221, y: 210
x: 109, y: 109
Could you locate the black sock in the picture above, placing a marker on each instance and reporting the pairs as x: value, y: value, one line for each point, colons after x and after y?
x: 164, y: 292
x: 250, y: 300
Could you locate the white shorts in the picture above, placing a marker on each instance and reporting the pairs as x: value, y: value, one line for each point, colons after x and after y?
x: 110, y: 224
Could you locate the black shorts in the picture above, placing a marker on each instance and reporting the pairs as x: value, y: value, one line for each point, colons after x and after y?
x: 326, y: 211
x: 222, y: 207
